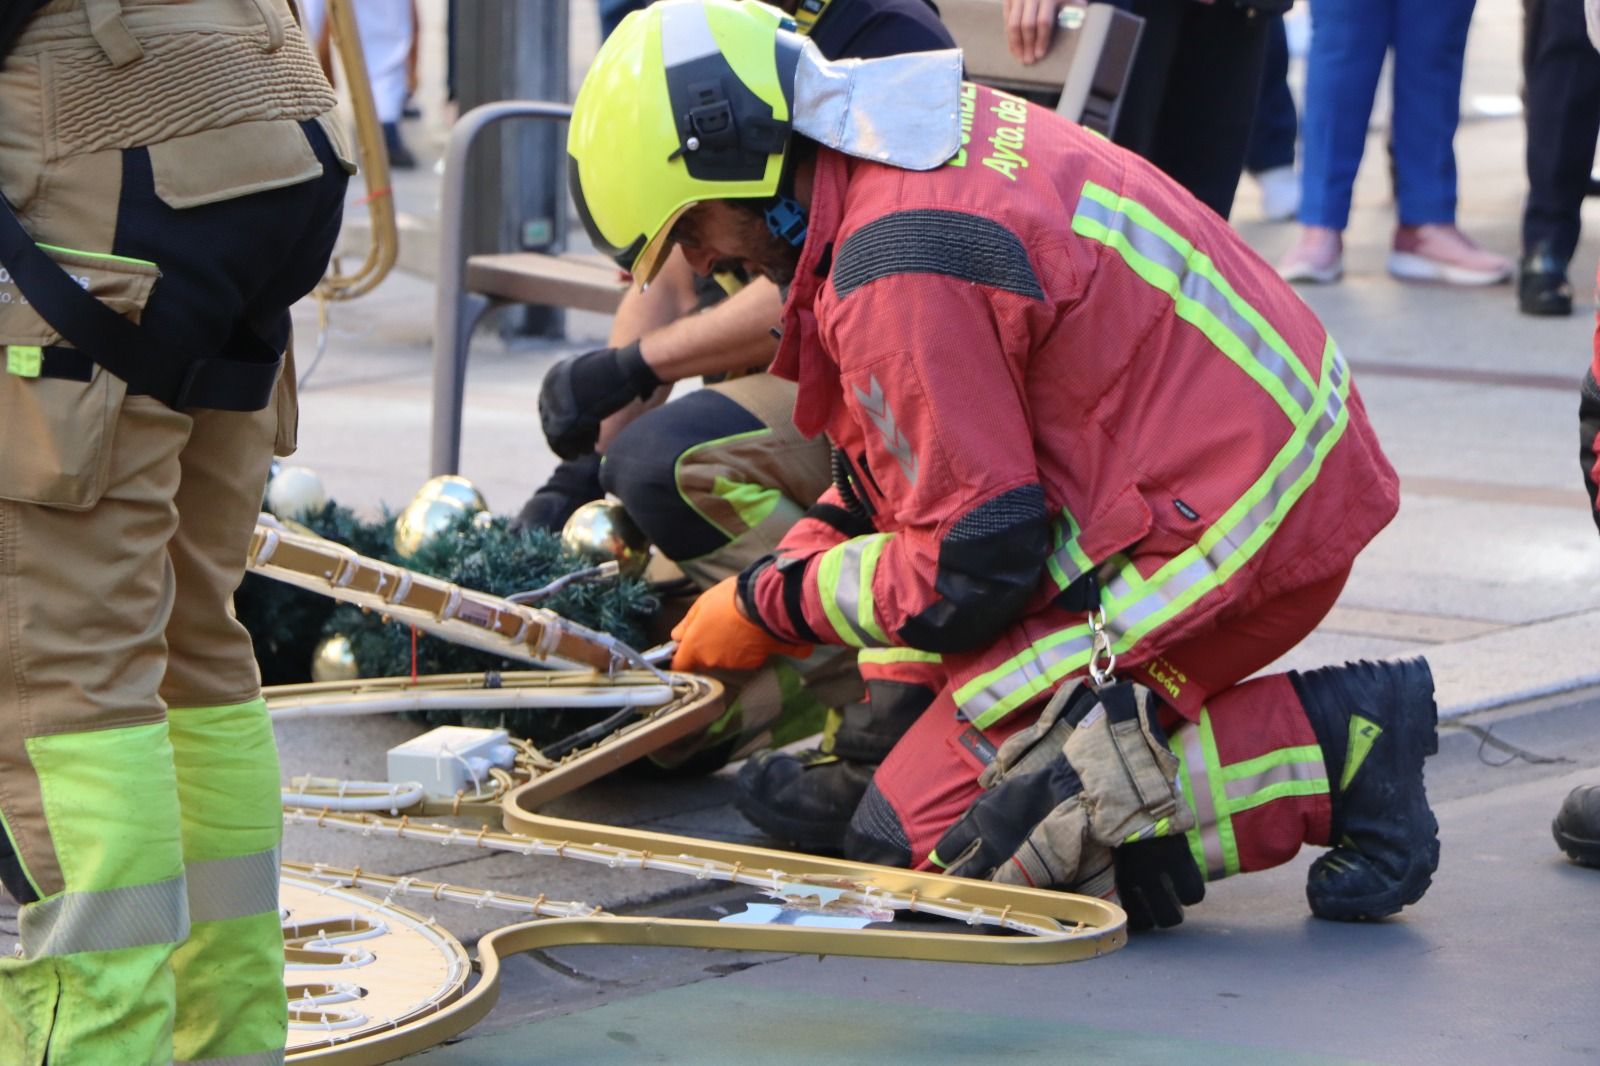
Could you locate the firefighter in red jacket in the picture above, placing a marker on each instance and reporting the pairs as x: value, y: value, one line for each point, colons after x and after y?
x: 1082, y: 433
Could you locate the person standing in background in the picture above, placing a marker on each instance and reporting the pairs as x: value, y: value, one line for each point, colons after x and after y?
x: 1349, y: 40
x: 1191, y: 99
x: 1561, y: 75
x: 1270, y: 159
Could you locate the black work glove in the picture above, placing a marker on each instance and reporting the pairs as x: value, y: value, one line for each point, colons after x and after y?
x: 573, y: 484
x: 1000, y: 819
x: 579, y: 392
x: 1156, y: 878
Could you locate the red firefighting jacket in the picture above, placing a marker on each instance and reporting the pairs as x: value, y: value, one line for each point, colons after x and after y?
x: 1059, y: 381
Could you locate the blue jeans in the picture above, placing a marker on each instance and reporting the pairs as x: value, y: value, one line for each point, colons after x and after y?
x: 1348, y: 41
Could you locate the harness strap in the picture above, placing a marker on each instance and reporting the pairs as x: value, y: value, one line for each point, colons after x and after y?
x: 105, y: 336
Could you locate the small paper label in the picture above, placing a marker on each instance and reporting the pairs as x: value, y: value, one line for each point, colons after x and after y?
x: 24, y: 360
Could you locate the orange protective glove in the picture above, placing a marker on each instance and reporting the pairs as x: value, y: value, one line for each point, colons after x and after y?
x: 715, y: 635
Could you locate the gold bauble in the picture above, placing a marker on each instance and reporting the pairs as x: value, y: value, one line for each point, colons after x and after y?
x: 453, y: 487
x: 601, y: 531
x: 421, y: 521
x: 334, y: 660
x: 437, y: 504
x: 295, y: 491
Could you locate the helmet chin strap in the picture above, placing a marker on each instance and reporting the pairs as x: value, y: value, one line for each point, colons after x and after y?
x: 787, y: 220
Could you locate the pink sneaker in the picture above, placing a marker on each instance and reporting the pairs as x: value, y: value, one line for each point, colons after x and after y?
x: 1440, y: 252
x: 1318, y: 256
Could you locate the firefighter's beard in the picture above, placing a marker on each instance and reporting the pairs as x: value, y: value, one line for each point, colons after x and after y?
x: 764, y: 252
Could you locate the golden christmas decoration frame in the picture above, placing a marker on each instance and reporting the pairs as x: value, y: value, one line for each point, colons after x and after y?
x: 370, y: 981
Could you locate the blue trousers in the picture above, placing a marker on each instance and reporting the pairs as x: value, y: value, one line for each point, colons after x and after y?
x: 1349, y: 39
x: 1277, y: 126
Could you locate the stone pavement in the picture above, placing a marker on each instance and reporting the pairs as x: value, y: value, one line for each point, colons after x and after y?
x: 1492, y: 570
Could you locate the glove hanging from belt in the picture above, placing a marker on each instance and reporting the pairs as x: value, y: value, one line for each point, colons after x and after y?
x: 1092, y: 774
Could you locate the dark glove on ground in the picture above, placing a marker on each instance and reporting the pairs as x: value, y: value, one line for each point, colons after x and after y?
x: 573, y: 484
x: 1000, y: 819
x: 578, y: 393
x: 1155, y: 880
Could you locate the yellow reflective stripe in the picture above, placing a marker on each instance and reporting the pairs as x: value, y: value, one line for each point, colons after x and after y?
x: 1297, y: 771
x: 897, y: 655
x: 752, y: 503
x: 1068, y: 562
x: 1364, y: 733
x: 1211, y: 841
x: 844, y: 584
x: 72, y: 923
x: 677, y: 472
x: 108, y: 257
x: 223, y: 889
x: 1201, y: 295
x: 1136, y: 605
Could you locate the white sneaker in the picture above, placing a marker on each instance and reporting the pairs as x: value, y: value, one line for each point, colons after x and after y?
x: 1318, y: 256
x: 1441, y: 253
x: 1280, y: 193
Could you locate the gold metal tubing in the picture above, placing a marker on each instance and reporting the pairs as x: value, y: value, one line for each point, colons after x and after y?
x: 465, y: 616
x: 374, y: 159
x: 1065, y: 907
x: 601, y: 928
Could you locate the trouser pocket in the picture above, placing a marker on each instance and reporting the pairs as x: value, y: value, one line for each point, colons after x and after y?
x: 57, y: 408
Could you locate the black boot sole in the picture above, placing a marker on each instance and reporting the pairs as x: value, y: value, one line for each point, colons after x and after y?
x: 1581, y: 851
x: 1421, y: 739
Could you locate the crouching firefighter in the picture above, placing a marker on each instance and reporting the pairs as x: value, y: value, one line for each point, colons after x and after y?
x: 1087, y: 428
x: 172, y: 184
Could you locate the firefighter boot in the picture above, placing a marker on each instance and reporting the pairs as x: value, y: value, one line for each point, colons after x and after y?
x: 805, y: 799
x: 1577, y: 825
x: 1375, y: 723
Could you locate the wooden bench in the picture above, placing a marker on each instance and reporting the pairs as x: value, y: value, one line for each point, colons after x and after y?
x: 469, y: 286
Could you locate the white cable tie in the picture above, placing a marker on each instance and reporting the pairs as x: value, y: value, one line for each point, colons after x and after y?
x: 484, y: 900
x: 349, y: 565
x: 402, y: 588
x: 452, y: 604
x: 269, y: 545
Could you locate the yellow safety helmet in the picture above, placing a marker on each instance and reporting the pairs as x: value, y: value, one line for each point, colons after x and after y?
x: 688, y: 100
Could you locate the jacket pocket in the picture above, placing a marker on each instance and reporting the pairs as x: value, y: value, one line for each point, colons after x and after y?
x: 234, y: 161
x: 56, y: 432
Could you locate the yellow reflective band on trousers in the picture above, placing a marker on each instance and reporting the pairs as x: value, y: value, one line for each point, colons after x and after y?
x: 1215, y: 793
x: 231, y: 1005
x: 1136, y: 605
x: 94, y: 983
x: 844, y: 583
x: 752, y: 502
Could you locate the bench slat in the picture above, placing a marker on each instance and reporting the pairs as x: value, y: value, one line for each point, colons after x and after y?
x: 583, y: 283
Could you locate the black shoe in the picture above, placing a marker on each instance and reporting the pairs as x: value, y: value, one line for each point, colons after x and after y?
x: 1376, y: 722
x: 1542, y: 286
x: 804, y: 799
x: 400, y: 157
x: 1577, y: 826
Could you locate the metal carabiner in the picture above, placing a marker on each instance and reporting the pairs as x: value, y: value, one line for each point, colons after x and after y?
x: 1102, y: 659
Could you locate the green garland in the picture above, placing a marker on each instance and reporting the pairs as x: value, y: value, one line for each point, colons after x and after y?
x: 286, y: 624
